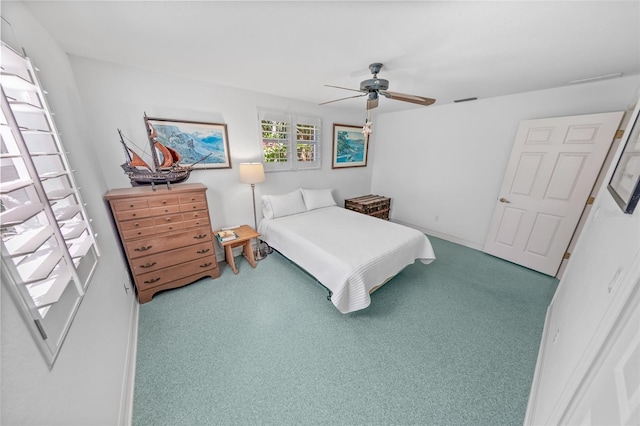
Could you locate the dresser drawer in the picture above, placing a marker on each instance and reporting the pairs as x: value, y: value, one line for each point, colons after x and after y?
x: 199, y: 214
x: 139, y: 233
x: 164, y: 220
x: 143, y: 265
x: 169, y: 200
x: 196, y: 222
x: 168, y: 227
x: 130, y: 204
x: 193, y: 206
x: 192, y: 198
x: 136, y: 224
x: 147, y: 246
x: 132, y: 214
x: 166, y: 275
x: 165, y: 210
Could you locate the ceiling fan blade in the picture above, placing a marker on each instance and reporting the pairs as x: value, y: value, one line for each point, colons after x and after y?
x: 372, y: 103
x: 343, y: 88
x: 342, y: 99
x: 420, y: 100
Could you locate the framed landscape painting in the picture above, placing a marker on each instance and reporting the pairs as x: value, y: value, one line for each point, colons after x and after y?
x: 201, y: 145
x: 350, y: 146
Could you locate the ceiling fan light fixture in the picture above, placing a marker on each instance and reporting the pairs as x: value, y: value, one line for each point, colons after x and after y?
x: 366, y: 129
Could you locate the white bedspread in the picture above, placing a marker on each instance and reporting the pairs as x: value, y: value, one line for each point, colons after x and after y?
x: 348, y: 252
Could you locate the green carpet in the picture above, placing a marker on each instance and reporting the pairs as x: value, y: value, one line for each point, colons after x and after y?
x: 451, y: 343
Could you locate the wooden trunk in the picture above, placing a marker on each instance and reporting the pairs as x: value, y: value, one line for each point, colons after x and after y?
x: 371, y: 205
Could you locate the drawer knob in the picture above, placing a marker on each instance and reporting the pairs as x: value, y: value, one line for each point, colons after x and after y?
x: 168, y: 219
x: 201, y: 236
x: 148, y: 265
x: 206, y: 265
x: 152, y: 280
x: 202, y: 251
x: 143, y: 248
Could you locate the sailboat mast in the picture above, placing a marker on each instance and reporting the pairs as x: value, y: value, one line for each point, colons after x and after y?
x: 127, y: 154
x: 151, y: 133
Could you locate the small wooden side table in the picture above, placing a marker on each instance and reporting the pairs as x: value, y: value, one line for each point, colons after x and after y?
x: 245, y: 235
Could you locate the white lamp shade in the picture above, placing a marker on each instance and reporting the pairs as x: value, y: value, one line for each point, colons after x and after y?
x: 251, y: 173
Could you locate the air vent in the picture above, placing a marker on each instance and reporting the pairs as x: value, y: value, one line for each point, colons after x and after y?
x: 466, y: 99
x: 596, y: 78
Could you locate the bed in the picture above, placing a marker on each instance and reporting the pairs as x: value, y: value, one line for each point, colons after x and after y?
x: 349, y: 253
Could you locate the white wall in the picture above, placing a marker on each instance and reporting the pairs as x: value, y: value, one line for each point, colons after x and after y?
x: 603, y: 271
x: 443, y: 165
x: 87, y: 384
x: 117, y: 97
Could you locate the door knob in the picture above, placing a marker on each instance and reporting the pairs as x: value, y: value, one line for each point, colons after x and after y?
x: 504, y: 200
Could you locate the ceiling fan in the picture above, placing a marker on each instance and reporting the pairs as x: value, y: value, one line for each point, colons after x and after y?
x: 375, y: 86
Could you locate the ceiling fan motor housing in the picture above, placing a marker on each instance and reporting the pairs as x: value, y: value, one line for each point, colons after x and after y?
x: 374, y: 84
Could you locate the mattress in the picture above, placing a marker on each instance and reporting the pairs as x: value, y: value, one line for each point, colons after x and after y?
x: 349, y: 253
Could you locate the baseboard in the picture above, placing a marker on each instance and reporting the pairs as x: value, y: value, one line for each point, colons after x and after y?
x: 451, y: 238
x: 126, y: 403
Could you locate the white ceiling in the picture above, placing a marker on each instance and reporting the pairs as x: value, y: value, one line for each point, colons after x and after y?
x: 441, y: 49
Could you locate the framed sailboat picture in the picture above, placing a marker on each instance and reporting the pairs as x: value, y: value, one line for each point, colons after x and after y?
x: 199, y: 145
x: 349, y: 146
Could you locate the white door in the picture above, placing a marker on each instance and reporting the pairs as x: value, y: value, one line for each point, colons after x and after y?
x: 553, y: 166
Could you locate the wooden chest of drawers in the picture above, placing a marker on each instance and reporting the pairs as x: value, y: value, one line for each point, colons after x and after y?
x: 371, y: 205
x: 166, y: 235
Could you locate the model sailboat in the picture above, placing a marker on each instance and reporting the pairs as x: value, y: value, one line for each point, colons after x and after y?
x: 166, y: 163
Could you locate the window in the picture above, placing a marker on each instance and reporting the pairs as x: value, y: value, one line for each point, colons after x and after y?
x: 48, y: 248
x: 289, y: 142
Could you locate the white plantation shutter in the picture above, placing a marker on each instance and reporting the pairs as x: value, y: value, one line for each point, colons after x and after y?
x: 275, y: 139
x: 289, y: 142
x: 307, y: 142
x: 48, y: 248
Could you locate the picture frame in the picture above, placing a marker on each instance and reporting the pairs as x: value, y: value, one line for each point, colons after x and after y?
x: 200, y: 144
x: 624, y: 185
x: 350, y: 146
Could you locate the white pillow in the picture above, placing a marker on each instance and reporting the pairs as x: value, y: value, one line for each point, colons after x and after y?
x: 318, y: 198
x: 274, y: 206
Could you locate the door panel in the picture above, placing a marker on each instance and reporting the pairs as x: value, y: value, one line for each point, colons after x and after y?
x: 543, y: 234
x: 511, y: 221
x: 553, y: 166
x: 565, y: 176
x: 526, y: 173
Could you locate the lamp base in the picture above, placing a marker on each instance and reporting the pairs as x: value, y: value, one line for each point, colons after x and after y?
x: 259, y: 254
